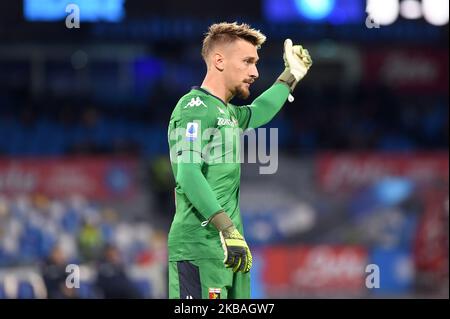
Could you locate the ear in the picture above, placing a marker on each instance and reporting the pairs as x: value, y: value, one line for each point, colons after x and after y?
x: 218, y: 61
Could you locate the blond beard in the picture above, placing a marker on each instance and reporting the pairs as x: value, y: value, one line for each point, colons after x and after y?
x: 241, y: 92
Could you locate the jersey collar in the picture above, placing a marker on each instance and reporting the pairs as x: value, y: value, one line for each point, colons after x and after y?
x: 208, y: 93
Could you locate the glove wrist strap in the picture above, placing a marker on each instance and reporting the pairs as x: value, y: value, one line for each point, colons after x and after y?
x: 288, y: 78
x: 222, y: 222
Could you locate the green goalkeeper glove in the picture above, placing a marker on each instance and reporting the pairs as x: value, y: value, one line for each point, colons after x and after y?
x: 236, y: 251
x: 297, y: 62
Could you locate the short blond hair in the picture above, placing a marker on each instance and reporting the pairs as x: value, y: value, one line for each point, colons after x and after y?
x: 226, y: 32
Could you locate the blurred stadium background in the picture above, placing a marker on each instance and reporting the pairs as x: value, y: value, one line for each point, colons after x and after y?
x: 363, y: 167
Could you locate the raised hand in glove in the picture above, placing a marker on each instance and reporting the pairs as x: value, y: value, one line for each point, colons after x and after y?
x: 297, y: 62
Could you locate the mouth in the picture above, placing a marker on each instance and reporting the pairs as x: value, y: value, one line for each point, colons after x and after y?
x: 248, y: 83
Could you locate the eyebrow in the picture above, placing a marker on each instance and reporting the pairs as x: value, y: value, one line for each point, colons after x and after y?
x: 251, y: 58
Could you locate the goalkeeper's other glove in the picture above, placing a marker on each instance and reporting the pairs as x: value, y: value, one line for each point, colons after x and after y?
x: 297, y: 62
x: 236, y: 251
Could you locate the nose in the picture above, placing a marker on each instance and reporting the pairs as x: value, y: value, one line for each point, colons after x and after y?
x: 254, y: 72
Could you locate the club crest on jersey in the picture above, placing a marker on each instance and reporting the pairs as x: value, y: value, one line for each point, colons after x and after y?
x: 191, y: 131
x: 214, y: 293
x: 195, y: 102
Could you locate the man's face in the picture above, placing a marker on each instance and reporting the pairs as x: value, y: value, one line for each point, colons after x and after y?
x: 240, y: 58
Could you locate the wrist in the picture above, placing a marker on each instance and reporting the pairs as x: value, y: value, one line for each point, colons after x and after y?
x: 287, y: 78
x: 222, y: 222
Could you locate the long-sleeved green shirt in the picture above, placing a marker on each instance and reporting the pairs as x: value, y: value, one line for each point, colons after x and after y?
x: 204, y: 140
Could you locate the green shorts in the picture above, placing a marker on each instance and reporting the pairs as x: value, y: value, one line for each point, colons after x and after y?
x: 206, y: 279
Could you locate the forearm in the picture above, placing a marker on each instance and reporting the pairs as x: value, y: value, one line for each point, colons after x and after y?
x: 197, y: 189
x: 268, y: 104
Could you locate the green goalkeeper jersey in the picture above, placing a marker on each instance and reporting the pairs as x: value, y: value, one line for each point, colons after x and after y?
x: 206, y: 130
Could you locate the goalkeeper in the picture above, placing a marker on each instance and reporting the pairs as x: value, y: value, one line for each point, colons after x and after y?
x: 208, y: 254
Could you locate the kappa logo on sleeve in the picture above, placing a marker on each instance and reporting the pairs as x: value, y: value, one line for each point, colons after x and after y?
x: 192, y: 131
x: 195, y: 102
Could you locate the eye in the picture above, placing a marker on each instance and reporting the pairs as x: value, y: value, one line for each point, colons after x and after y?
x: 250, y: 61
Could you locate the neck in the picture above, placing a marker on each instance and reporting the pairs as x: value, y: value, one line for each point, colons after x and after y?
x: 214, y: 85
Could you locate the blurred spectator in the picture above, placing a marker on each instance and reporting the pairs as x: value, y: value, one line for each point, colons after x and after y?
x: 54, y: 274
x: 90, y: 241
x: 112, y: 279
